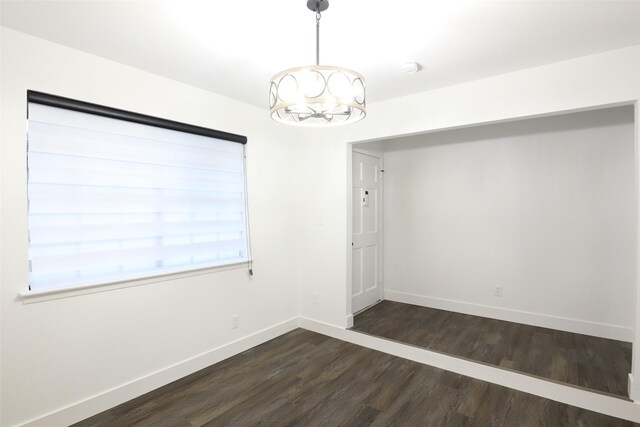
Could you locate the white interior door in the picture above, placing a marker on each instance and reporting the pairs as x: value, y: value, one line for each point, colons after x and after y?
x: 366, y: 248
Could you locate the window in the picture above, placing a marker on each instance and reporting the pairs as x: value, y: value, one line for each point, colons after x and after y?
x: 115, y: 195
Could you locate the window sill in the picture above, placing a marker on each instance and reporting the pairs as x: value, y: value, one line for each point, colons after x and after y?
x: 29, y: 297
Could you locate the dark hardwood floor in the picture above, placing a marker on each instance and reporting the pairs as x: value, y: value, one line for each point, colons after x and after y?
x: 595, y: 363
x: 306, y: 379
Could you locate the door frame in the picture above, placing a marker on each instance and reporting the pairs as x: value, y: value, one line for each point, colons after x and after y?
x: 351, y: 148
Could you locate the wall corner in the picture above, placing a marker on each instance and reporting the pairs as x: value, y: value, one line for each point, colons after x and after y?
x: 633, y: 389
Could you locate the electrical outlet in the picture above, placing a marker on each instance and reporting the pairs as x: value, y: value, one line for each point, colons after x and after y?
x: 497, y: 291
x: 315, y: 297
x: 235, y: 321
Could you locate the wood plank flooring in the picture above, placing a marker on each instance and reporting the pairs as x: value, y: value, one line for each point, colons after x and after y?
x: 595, y: 363
x: 306, y: 379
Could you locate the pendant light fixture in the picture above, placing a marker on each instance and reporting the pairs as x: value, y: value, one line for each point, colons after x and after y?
x: 317, y: 95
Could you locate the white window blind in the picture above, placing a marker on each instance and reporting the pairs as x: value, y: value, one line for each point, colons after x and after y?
x: 111, y: 200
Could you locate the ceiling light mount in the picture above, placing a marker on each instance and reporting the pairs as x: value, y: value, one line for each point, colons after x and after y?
x: 318, y: 5
x: 317, y: 95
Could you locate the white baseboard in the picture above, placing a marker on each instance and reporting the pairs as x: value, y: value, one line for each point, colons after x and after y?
x: 592, y: 401
x: 585, y: 327
x: 110, y: 398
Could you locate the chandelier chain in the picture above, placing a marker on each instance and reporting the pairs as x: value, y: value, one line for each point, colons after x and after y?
x: 318, y: 16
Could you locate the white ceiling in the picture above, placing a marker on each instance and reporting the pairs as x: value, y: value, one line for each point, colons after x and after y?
x: 233, y: 47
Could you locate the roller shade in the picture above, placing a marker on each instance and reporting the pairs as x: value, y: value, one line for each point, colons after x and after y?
x: 112, y: 199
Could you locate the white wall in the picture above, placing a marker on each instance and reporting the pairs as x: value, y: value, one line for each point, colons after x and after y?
x: 543, y: 207
x: 56, y: 353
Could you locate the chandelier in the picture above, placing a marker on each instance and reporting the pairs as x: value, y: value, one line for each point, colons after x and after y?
x: 317, y: 95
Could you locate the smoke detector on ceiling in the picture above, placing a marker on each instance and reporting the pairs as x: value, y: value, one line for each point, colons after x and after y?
x: 410, y: 67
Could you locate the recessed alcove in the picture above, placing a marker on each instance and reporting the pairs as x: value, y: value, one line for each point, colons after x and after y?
x: 512, y: 244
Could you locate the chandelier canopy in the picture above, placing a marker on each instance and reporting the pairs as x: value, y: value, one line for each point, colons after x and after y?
x: 317, y: 95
